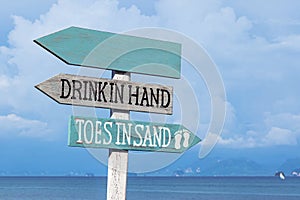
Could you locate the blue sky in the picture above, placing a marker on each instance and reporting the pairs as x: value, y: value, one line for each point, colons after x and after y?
x: 255, y: 44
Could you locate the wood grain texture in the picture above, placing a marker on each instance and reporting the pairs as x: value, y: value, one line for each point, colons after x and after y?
x: 98, y: 49
x: 106, y: 93
x: 118, y: 159
x: 129, y: 135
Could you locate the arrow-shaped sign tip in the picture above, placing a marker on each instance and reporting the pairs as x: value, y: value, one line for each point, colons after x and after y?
x: 184, y: 140
x: 44, y: 88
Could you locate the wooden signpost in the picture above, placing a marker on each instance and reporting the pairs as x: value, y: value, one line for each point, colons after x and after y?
x: 129, y: 135
x: 117, y: 159
x: 108, y: 93
x: 122, y: 54
x: 114, y: 51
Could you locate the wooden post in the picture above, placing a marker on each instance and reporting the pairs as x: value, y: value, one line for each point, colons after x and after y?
x: 118, y: 159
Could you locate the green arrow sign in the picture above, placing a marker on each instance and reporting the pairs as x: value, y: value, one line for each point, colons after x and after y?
x: 91, y: 48
x: 129, y: 135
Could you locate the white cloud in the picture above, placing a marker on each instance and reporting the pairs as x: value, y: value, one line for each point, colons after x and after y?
x: 279, y: 136
x: 278, y: 129
x: 290, y: 42
x: 248, y: 59
x: 276, y: 136
x: 283, y: 120
x: 268, y: 9
x: 207, y: 21
x: 34, y: 64
x: 24, y: 64
x: 238, y: 142
x: 4, y: 82
x: 13, y: 125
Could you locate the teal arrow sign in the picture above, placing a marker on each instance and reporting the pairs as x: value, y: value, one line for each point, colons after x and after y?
x: 98, y: 49
x: 129, y: 135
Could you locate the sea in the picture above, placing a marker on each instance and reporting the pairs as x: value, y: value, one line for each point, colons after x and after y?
x: 146, y: 188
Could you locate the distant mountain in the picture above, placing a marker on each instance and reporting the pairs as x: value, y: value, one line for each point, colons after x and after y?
x: 232, y: 167
x: 191, y: 165
x: 214, y: 167
x: 290, y: 165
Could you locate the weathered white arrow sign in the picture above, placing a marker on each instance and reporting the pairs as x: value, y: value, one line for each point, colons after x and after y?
x: 107, y: 93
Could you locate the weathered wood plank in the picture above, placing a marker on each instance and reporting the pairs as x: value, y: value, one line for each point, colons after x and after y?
x: 129, y: 135
x: 118, y: 159
x: 106, y: 93
x: 91, y: 48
